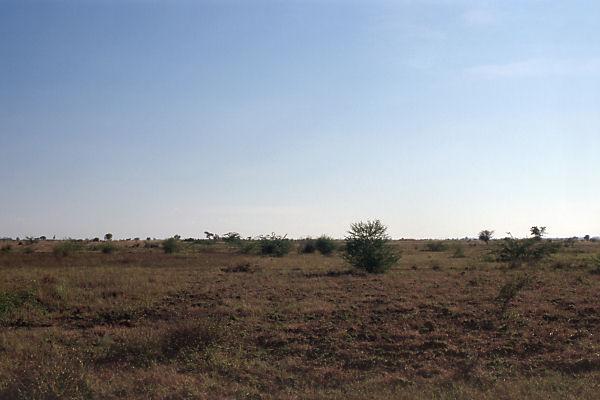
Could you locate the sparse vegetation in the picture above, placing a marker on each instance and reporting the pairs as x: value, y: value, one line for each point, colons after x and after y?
x: 367, y: 247
x: 221, y: 324
x: 510, y: 290
x: 66, y: 248
x: 459, y: 251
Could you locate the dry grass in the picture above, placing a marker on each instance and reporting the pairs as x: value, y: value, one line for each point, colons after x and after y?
x: 209, y: 323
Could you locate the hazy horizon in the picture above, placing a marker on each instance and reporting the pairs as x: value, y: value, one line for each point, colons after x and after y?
x: 440, y: 118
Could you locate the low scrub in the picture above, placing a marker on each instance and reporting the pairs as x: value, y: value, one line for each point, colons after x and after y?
x: 171, y: 245
x: 66, y: 248
x: 275, y: 245
x: 436, y: 245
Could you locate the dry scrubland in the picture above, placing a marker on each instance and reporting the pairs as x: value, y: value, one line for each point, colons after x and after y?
x: 210, y: 323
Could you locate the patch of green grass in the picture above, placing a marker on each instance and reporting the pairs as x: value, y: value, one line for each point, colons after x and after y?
x: 11, y: 301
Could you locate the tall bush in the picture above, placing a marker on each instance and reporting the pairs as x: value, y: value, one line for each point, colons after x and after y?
x: 367, y: 247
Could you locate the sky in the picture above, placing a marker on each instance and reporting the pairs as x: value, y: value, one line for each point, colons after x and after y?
x: 441, y: 118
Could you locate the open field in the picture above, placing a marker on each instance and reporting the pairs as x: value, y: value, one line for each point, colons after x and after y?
x: 212, y: 323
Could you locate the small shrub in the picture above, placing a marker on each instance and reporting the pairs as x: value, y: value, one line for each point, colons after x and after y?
x: 595, y: 261
x: 96, y: 239
x: 274, y: 245
x: 241, y: 267
x: 325, y: 245
x: 10, y: 301
x: 170, y: 245
x: 66, y: 248
x: 367, y: 247
x: 307, y: 246
x: 435, y: 245
x: 108, y: 248
x: 459, y: 252
x: 510, y: 290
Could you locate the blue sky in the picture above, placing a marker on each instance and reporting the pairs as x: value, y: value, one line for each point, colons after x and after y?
x: 441, y: 118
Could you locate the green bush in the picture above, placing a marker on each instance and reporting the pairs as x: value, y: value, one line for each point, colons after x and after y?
x: 325, y: 245
x: 108, y: 248
x: 275, y: 245
x: 307, y: 246
x: 459, y: 251
x: 367, y: 247
x: 436, y: 245
x: 171, y: 245
x: 66, y: 248
x: 530, y: 250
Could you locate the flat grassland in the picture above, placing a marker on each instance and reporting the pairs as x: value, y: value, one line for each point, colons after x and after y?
x: 212, y: 323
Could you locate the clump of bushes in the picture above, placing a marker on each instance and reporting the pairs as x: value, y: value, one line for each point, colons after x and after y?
x: 367, y: 247
x: 529, y: 250
x: 275, y: 245
x: 325, y: 245
x: 66, y: 248
x: 435, y: 245
x: 171, y: 245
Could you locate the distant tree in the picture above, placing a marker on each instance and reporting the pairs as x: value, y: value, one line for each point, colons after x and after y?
x: 486, y: 236
x: 108, y: 236
x: 232, y: 238
x: 42, y: 238
x: 586, y: 238
x: 538, y: 232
